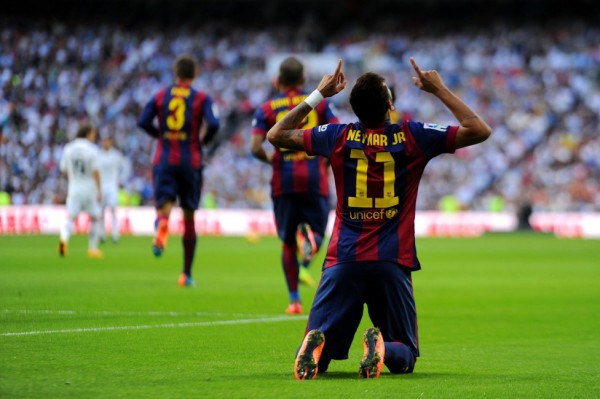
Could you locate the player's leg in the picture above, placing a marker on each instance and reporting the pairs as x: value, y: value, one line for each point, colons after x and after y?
x: 64, y: 235
x: 112, y: 197
x: 165, y: 193
x: 291, y: 271
x: 189, y: 248
x: 115, y: 223
x: 190, y: 186
x: 102, y: 224
x: 314, y: 213
x: 73, y: 209
x: 102, y: 228
x: 287, y: 222
x: 337, y: 310
x: 161, y: 227
x: 314, y: 217
x: 94, y: 209
x: 392, y: 309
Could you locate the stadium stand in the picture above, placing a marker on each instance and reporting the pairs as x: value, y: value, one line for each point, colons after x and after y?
x: 536, y: 81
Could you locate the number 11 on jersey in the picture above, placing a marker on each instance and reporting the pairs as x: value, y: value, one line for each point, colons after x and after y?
x: 361, y: 200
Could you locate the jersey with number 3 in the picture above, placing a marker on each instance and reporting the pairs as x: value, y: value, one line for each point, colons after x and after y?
x: 181, y: 111
x: 377, y: 174
x: 293, y: 171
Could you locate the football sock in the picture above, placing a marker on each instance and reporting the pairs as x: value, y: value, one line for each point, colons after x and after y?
x: 399, y: 358
x: 102, y: 229
x: 318, y: 241
x: 290, y: 269
x: 189, y: 245
x: 94, y: 234
x: 162, y: 228
x: 65, y: 231
x: 115, y: 224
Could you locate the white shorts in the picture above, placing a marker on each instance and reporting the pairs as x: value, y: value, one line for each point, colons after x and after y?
x: 83, y: 201
x: 110, y: 197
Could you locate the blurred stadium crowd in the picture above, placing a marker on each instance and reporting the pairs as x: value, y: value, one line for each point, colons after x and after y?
x: 537, y: 86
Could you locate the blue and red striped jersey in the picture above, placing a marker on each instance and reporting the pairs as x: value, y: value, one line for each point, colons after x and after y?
x: 294, y: 171
x: 377, y: 174
x: 181, y: 111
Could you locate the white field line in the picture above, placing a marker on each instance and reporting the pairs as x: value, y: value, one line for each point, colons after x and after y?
x: 117, y: 313
x: 168, y: 325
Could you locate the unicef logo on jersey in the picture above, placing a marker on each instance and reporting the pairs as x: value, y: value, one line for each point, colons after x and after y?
x: 390, y: 213
x: 375, y: 214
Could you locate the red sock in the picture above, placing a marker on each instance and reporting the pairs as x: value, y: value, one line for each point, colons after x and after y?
x: 290, y: 269
x: 189, y: 245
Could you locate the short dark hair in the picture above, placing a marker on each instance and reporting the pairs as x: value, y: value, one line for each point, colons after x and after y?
x: 84, y: 131
x: 185, y: 67
x: 370, y: 99
x: 291, y: 72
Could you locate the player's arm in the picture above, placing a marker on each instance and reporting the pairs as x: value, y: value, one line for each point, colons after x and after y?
x: 96, y: 176
x: 284, y: 133
x: 473, y: 129
x: 211, y: 120
x: 62, y: 166
x: 257, y: 149
x: 147, y: 117
x: 125, y: 169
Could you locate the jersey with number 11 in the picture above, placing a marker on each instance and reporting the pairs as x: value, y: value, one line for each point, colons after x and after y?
x: 377, y: 174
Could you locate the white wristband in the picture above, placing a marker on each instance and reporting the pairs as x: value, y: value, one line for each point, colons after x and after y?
x: 314, y: 99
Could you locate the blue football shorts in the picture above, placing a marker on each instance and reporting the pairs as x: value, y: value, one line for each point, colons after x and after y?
x: 174, y: 182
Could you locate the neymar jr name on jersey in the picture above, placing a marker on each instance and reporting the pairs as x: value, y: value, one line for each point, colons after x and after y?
x: 287, y: 101
x: 375, y: 138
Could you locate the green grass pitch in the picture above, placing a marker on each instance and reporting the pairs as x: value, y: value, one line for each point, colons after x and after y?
x: 502, y: 316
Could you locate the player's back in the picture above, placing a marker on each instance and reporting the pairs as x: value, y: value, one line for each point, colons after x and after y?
x: 294, y: 171
x: 180, y: 113
x: 110, y: 164
x: 79, y: 160
x: 377, y: 174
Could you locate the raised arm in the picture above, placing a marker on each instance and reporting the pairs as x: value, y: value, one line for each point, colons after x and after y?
x: 472, y: 128
x: 284, y: 133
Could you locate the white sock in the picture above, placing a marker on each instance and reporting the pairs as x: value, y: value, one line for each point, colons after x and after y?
x: 65, y: 231
x: 94, y: 236
x: 102, y: 227
x: 115, y: 225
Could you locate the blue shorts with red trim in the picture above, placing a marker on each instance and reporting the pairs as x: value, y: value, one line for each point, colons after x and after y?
x: 386, y: 289
x: 173, y: 182
x: 292, y: 210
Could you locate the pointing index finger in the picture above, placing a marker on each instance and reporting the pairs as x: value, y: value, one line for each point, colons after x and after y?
x: 416, y: 67
x: 339, y: 68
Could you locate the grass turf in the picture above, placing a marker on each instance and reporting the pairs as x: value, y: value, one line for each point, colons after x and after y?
x: 499, y: 316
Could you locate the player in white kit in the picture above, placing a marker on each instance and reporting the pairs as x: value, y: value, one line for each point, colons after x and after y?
x: 114, y: 167
x: 79, y: 162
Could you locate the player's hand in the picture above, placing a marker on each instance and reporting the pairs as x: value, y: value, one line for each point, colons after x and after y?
x: 429, y: 81
x: 332, y: 84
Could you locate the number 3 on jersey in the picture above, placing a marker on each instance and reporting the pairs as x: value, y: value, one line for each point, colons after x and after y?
x: 176, y: 119
x: 361, y: 200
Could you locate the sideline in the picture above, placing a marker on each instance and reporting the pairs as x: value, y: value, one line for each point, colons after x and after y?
x: 117, y: 313
x: 275, y: 319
